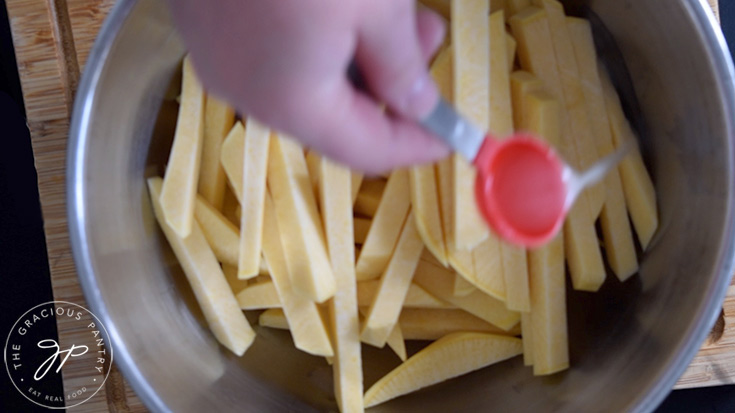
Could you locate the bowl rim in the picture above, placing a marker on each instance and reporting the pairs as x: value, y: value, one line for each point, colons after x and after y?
x: 647, y: 400
x: 76, y: 192
x: 722, y: 65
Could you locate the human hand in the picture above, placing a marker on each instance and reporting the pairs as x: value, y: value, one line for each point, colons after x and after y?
x: 285, y: 62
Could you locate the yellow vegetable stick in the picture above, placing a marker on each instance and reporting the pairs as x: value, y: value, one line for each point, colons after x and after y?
x: 273, y: 318
x: 470, y: 38
x: 236, y: 284
x: 542, y: 117
x: 397, y: 343
x: 500, y: 113
x: 433, y: 324
x: 263, y: 270
x: 527, y: 337
x: 437, y: 281
x: 530, y: 28
x: 462, y: 287
x: 416, y: 297
x: 522, y: 83
x: 511, y: 45
x: 213, y: 293
x: 573, y: 99
x: 443, y: 73
x: 386, y: 227
x: 383, y: 312
x: 414, y: 324
x: 369, y: 196
x: 336, y: 207
x: 307, y: 329
x: 218, y: 120
x: 259, y: 296
x: 355, y: 186
x: 255, y: 167
x: 619, y: 246
x: 515, y: 272
x: 232, y: 159
x: 312, y: 164
x: 542, y: 114
x: 580, y: 33
x: 539, y: 115
x: 301, y: 228
x: 182, y: 172
x: 582, y: 251
x: 544, y: 329
x: 488, y: 262
x: 535, y: 51
x: 425, y: 205
x: 461, y: 261
x: 549, y: 312
x: 263, y: 295
x: 395, y: 339
x: 221, y: 234
x: 448, y: 357
x: 640, y: 194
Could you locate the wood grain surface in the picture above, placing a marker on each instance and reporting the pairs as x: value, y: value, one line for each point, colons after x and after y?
x: 52, y: 41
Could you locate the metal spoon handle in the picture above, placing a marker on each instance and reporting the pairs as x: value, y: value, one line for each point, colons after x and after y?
x: 578, y: 181
x: 454, y: 130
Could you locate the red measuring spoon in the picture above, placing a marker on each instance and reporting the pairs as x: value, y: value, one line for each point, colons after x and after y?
x: 520, y: 189
x: 523, y: 188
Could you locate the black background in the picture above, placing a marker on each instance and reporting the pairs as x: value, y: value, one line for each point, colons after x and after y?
x: 24, y: 273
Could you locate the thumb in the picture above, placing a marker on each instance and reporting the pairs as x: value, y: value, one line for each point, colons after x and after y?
x: 391, y: 52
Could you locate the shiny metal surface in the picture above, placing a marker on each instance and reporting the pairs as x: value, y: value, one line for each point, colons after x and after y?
x: 630, y: 342
x: 577, y: 181
x: 457, y: 132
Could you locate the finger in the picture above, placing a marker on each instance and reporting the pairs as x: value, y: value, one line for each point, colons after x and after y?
x: 351, y: 128
x: 431, y: 30
x: 389, y: 53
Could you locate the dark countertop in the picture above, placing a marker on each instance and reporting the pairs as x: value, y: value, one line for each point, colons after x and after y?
x: 24, y: 272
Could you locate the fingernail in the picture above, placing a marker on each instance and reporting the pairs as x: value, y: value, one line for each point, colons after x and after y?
x: 421, y: 98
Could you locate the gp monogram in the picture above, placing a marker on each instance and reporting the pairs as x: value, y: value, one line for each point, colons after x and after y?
x: 34, y: 362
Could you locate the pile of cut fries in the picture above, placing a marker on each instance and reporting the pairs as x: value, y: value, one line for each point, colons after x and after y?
x: 259, y: 223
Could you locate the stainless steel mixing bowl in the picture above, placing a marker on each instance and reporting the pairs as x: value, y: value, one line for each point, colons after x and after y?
x: 629, y: 343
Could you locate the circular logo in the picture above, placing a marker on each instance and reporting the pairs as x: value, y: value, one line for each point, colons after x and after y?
x: 35, y: 361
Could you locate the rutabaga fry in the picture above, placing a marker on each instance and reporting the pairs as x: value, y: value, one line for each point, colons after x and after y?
x: 471, y: 67
x: 255, y: 167
x: 302, y: 233
x: 616, y: 232
x: 213, y: 293
x: 307, y: 329
x: 383, y: 312
x: 515, y: 271
x: 448, y: 357
x: 336, y: 207
x: 178, y: 193
x: 386, y: 227
x: 218, y: 120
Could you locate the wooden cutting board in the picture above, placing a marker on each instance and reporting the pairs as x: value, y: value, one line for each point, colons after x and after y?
x: 52, y: 40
